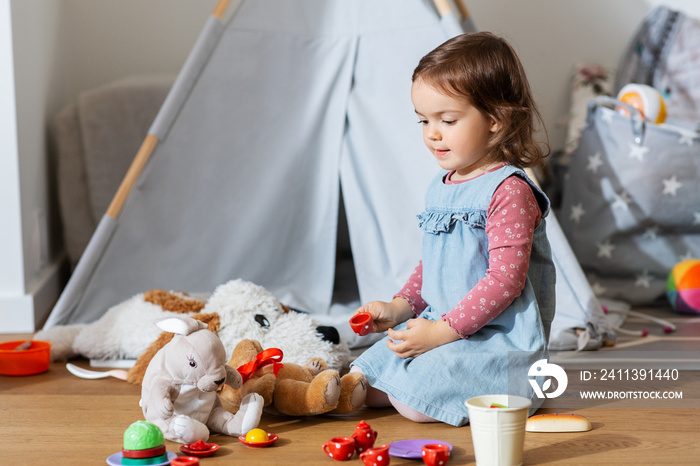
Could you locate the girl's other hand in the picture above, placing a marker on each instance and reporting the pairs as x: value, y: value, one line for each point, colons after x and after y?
x: 421, y: 335
x: 387, y: 315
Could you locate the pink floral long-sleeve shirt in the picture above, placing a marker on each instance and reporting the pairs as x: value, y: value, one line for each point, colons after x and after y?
x: 512, y: 217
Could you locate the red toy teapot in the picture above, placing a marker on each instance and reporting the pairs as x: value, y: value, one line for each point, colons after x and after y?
x: 364, y: 437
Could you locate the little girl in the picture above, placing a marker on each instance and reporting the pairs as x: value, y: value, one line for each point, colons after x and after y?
x: 485, y: 285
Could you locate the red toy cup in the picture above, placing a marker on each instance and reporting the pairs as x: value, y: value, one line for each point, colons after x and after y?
x: 339, y: 448
x: 185, y: 461
x: 435, y: 454
x: 376, y: 456
x: 362, y: 323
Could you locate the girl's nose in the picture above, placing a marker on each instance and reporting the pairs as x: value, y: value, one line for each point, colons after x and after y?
x: 432, y: 133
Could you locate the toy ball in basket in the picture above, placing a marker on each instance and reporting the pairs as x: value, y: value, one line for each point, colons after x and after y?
x: 646, y: 99
x: 683, y: 287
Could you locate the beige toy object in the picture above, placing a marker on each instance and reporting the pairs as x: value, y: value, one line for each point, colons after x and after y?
x: 179, y: 389
x: 295, y: 390
x: 553, y: 422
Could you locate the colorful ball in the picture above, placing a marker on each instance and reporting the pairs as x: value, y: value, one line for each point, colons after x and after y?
x: 646, y: 99
x: 683, y: 287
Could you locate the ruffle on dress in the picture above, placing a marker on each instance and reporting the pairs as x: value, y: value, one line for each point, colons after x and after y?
x: 436, y: 222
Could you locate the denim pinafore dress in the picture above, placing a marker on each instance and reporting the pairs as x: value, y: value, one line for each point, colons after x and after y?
x: 455, y: 257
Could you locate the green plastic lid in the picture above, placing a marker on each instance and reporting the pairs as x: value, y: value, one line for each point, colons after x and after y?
x: 142, y: 435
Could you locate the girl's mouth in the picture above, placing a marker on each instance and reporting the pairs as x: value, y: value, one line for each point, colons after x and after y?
x: 441, y: 153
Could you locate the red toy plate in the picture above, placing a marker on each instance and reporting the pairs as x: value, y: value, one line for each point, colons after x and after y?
x: 116, y: 459
x: 272, y: 438
x: 411, y: 448
x: 188, y: 450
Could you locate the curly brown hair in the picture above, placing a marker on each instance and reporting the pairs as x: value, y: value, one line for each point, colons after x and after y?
x: 485, y: 69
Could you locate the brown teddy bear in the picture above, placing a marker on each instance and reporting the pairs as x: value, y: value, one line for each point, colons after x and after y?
x: 292, y: 389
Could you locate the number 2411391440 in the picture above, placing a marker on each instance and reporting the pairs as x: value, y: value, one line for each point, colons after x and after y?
x: 638, y: 374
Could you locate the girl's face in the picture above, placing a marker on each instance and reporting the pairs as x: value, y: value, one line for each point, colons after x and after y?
x: 454, y: 130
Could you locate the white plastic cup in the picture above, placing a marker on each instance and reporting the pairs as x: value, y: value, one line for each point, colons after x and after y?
x: 498, y: 434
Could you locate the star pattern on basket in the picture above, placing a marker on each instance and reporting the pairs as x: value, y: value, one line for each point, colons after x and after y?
x: 598, y: 289
x: 637, y: 152
x: 687, y: 256
x: 594, y: 162
x: 622, y: 201
x: 577, y: 212
x: 671, y: 185
x: 687, y: 138
x: 644, y: 280
x: 652, y: 232
x: 605, y: 249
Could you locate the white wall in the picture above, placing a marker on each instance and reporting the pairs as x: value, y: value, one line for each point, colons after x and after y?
x: 12, y: 285
x: 62, y: 47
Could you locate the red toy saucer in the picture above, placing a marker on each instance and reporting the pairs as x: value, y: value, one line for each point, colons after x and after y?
x: 272, y: 438
x: 210, y: 449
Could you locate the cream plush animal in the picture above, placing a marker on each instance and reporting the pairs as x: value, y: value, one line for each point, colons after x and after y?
x: 179, y: 389
x: 245, y: 310
x: 250, y: 312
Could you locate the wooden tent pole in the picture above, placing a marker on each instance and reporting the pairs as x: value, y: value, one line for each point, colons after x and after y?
x: 220, y: 9
x: 462, y: 7
x: 443, y: 7
x: 132, y: 175
x: 147, y: 147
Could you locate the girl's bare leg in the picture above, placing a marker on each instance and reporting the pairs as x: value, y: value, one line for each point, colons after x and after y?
x: 378, y: 399
x: 374, y: 398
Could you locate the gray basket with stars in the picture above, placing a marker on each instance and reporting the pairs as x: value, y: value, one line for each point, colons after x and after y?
x: 631, y: 202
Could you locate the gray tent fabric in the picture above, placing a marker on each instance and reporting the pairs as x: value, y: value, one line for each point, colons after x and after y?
x: 579, y: 322
x: 274, y: 114
x: 245, y: 181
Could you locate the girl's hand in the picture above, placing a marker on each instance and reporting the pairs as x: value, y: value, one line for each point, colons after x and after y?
x: 387, y: 315
x: 421, y: 335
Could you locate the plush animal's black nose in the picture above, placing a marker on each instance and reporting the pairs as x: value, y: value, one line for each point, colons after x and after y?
x: 329, y: 334
x: 219, y: 382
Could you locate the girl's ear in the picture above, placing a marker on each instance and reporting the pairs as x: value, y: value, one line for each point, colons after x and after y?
x: 495, y: 126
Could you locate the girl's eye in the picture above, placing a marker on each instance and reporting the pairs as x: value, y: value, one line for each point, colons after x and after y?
x: 449, y: 122
x: 422, y: 122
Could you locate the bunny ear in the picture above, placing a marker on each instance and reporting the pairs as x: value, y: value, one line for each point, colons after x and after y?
x: 180, y: 325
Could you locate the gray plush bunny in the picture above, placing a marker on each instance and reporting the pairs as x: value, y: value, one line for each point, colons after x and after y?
x: 179, y: 390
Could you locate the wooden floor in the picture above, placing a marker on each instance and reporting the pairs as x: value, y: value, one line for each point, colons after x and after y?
x: 56, y: 418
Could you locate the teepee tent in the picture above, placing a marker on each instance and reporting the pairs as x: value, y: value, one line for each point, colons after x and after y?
x: 277, y: 110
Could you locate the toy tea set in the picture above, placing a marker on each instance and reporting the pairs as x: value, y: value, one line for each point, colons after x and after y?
x: 433, y: 452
